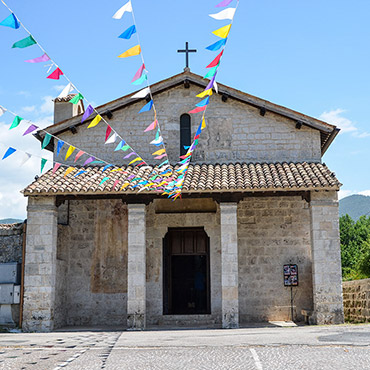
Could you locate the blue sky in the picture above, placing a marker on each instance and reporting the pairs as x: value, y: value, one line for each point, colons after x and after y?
x: 311, y: 56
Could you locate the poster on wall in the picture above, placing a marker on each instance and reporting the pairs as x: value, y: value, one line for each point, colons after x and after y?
x: 290, y: 275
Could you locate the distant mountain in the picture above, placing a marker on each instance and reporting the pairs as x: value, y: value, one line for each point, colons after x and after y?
x: 355, y: 206
x: 10, y: 221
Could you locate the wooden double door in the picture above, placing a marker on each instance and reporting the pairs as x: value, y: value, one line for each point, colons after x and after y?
x: 186, y: 272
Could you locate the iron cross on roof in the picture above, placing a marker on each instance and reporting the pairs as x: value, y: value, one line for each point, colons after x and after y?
x: 187, y: 51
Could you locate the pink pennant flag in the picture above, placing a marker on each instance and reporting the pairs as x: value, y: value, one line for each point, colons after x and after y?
x: 152, y: 126
x: 56, y: 166
x: 56, y: 74
x: 138, y: 73
x: 79, y: 154
x: 43, y: 58
x: 160, y: 156
x: 199, y: 109
x: 30, y: 129
x: 215, y: 61
x: 223, y: 3
x: 116, y: 183
x: 107, y: 133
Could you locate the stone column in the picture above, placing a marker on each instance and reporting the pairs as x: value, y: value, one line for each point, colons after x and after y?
x: 326, y: 259
x: 136, y: 289
x: 40, y: 264
x: 229, y: 265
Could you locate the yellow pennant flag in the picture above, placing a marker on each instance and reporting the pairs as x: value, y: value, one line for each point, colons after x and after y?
x: 125, y: 185
x: 159, y: 152
x: 205, y: 93
x: 95, y: 121
x: 135, y: 160
x: 69, y: 170
x: 223, y: 32
x: 203, y: 124
x: 69, y: 152
x: 136, y: 50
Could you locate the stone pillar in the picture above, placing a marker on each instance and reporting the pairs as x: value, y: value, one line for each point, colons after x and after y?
x: 326, y: 259
x: 136, y: 289
x: 229, y: 265
x: 40, y: 264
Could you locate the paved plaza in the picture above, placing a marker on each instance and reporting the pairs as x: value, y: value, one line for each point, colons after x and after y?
x: 270, y: 347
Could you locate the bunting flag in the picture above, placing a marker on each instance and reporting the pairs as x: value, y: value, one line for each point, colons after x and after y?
x: 126, y: 8
x: 205, y: 93
x: 9, y: 152
x: 2, y: 110
x: 106, y: 167
x: 17, y: 120
x: 223, y: 32
x: 30, y: 129
x: 79, y: 173
x: 152, y: 126
x: 136, y: 160
x: 199, y: 109
x: 26, y: 157
x: 147, y: 107
x: 159, y: 152
x: 140, y: 80
x: 203, y: 124
x: 66, y: 91
x: 28, y: 41
x: 141, y: 94
x: 95, y: 121
x: 59, y: 146
x: 112, y: 139
x: 43, y: 162
x: 211, y: 72
x: 217, y: 45
x: 136, y: 50
x: 79, y: 155
x: 138, y: 73
x: 129, y: 155
x: 203, y: 103
x: 104, y: 180
x: 120, y: 145
x: 115, y: 184
x: 211, y: 83
x: 88, y: 112
x: 56, y: 166
x: 215, y: 61
x: 11, y: 22
x: 88, y: 160
x: 125, y: 185
x: 215, y: 86
x: 160, y: 156
x: 224, y: 14
x: 76, y: 98
x: 223, y: 3
x: 157, y: 141
x: 43, y: 58
x: 46, y: 141
x: 70, y: 150
x: 107, y: 132
x: 68, y: 171
x: 56, y: 74
x: 126, y: 147
x: 128, y: 33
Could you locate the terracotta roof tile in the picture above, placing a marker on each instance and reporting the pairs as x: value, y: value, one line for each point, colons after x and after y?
x: 65, y: 98
x: 200, y: 178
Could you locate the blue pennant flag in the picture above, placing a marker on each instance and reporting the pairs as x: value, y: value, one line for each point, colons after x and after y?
x: 147, y: 107
x: 203, y: 103
x: 9, y: 152
x: 128, y: 33
x: 107, y: 166
x: 120, y: 145
x: 59, y: 147
x: 10, y: 21
x: 217, y: 45
x: 79, y: 173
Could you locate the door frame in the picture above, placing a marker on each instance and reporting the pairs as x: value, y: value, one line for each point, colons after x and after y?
x: 166, y: 263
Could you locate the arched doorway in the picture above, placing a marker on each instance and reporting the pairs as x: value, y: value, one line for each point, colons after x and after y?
x: 186, y: 272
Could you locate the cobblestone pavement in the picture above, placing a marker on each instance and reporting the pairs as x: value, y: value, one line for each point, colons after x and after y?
x: 311, y: 348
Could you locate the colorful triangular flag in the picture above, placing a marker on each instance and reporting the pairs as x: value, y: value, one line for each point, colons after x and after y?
x: 128, y: 33
x: 17, y: 120
x: 126, y: 8
x: 10, y: 21
x: 9, y: 152
x: 136, y: 50
x: 28, y: 41
x: 147, y: 107
x: 43, y: 58
x: 56, y: 74
x: 76, y: 98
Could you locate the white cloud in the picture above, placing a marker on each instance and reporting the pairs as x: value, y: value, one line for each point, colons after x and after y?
x: 28, y: 109
x: 345, y: 193
x: 47, y: 107
x: 365, y: 192
x: 336, y: 118
x: 58, y: 88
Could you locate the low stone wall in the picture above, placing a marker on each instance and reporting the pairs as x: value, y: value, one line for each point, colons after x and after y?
x: 356, y: 300
x: 11, y: 239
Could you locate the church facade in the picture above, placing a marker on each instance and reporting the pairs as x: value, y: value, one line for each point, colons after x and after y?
x: 257, y: 203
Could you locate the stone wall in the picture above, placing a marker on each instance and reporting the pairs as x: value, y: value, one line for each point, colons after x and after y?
x: 235, y: 132
x: 356, y: 301
x: 273, y: 231
x: 11, y: 241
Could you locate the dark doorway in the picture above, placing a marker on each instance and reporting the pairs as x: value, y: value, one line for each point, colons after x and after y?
x: 186, y: 272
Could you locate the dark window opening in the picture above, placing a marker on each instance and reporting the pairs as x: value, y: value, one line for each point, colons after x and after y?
x: 185, y: 133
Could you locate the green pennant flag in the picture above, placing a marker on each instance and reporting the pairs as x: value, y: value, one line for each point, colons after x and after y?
x: 16, y: 122
x: 76, y: 98
x: 43, y: 162
x: 46, y: 141
x: 28, y: 41
x: 126, y: 147
x: 211, y: 72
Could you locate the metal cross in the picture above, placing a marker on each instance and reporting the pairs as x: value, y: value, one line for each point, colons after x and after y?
x: 187, y: 51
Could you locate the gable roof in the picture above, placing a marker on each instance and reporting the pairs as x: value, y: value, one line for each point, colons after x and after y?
x: 327, y: 131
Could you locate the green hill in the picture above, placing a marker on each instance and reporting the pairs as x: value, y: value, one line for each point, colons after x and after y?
x: 10, y: 221
x: 355, y: 206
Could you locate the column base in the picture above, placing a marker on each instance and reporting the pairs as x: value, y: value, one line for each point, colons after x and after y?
x: 136, y: 321
x: 327, y: 318
x: 230, y: 321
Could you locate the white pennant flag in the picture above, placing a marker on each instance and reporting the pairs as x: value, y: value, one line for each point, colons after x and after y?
x: 126, y: 8
x: 215, y: 86
x: 66, y: 91
x: 157, y: 141
x: 112, y: 139
x: 224, y: 14
x: 26, y: 157
x: 2, y: 110
x: 141, y: 94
